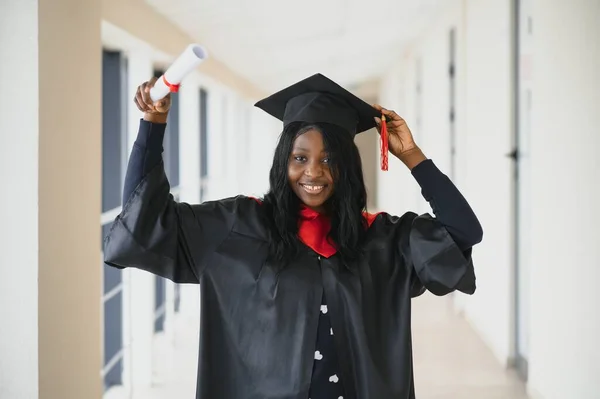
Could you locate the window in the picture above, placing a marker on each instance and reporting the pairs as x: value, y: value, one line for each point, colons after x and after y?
x: 419, y: 97
x: 203, y: 142
x: 452, y: 111
x: 160, y: 303
x: 114, y: 71
x: 172, y: 142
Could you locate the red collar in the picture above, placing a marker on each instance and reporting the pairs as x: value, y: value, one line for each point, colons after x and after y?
x: 313, y: 228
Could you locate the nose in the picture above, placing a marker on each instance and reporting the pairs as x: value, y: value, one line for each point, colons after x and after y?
x: 314, y: 169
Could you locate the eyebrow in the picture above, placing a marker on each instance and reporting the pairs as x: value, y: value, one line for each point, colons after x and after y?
x: 301, y: 149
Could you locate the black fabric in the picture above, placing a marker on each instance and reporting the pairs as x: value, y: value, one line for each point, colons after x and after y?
x: 448, y: 204
x: 145, y: 155
x: 260, y: 329
x: 326, y: 376
x: 319, y: 99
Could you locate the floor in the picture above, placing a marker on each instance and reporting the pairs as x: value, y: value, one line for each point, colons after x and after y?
x: 451, y: 362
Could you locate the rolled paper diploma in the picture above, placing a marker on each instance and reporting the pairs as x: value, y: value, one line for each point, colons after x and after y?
x: 184, y: 64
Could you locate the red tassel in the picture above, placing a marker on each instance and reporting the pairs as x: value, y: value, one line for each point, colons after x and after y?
x: 384, y: 144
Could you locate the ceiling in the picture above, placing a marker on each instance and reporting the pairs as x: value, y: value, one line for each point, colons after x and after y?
x: 274, y: 43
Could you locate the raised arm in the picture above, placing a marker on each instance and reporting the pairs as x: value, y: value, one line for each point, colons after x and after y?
x: 440, y: 246
x: 154, y: 232
x: 145, y: 155
x: 447, y: 203
x: 449, y: 206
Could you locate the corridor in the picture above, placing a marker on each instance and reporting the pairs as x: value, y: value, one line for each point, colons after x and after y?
x: 502, y: 95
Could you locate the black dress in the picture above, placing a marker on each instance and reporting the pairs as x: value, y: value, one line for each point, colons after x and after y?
x: 313, y: 330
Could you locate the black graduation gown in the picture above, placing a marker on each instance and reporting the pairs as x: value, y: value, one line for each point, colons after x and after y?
x: 258, y: 327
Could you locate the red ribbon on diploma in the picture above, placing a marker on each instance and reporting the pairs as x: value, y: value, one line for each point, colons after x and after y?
x: 172, y: 88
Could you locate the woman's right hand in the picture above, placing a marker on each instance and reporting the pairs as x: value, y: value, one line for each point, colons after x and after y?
x: 155, y: 112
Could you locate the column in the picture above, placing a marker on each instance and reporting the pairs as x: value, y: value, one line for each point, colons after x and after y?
x: 69, y: 276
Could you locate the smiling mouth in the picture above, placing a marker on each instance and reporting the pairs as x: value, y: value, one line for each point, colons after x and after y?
x: 313, y: 188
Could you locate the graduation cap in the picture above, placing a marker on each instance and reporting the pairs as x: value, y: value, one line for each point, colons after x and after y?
x: 318, y: 99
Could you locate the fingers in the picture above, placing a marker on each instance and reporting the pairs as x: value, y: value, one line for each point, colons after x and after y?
x: 139, y: 99
x: 397, y: 123
x: 145, y: 104
x: 137, y: 103
x: 395, y: 117
x: 150, y: 84
x: 146, y: 95
x: 391, y: 116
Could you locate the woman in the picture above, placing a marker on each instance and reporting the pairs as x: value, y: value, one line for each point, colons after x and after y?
x: 304, y: 294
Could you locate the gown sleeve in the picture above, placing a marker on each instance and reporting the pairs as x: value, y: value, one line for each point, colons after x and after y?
x: 155, y: 233
x: 441, y: 246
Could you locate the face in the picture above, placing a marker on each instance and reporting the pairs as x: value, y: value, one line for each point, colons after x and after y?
x: 309, y: 174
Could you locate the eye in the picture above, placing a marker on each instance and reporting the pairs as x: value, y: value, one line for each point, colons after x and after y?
x: 299, y: 158
x: 326, y: 160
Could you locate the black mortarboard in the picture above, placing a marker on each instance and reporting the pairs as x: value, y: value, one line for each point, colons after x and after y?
x: 319, y: 99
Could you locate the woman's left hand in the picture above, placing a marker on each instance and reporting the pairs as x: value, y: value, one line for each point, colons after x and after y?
x: 400, y: 139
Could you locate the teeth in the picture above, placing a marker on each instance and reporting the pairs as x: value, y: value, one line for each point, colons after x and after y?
x: 312, y: 188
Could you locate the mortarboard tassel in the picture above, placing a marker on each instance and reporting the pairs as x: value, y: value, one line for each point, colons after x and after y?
x: 384, y: 144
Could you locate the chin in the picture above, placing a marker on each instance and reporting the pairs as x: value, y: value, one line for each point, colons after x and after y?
x: 315, y: 203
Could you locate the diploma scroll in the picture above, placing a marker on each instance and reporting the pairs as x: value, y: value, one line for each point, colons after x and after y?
x: 189, y: 59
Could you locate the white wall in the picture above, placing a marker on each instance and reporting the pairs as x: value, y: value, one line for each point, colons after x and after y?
x: 486, y: 169
x: 264, y: 133
x: 565, y: 318
x: 18, y: 202
x: 483, y: 137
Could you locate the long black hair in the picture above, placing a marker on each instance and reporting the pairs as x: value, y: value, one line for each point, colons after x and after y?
x: 345, y: 207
